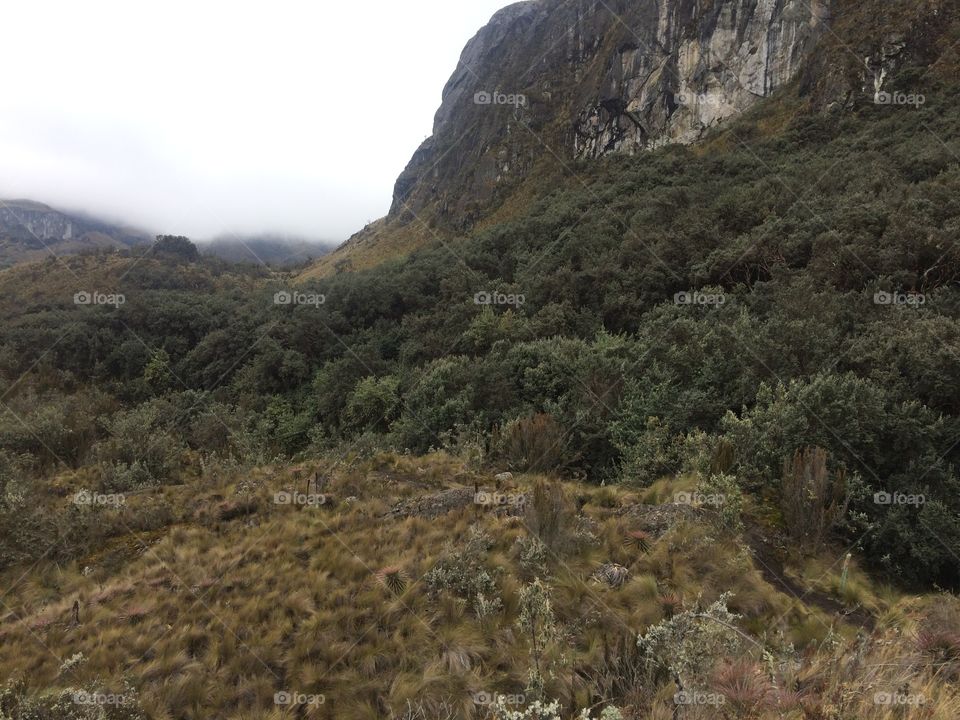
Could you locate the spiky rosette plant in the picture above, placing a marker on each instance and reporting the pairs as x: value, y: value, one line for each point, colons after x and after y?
x: 393, y: 578
x: 671, y: 603
x: 637, y: 541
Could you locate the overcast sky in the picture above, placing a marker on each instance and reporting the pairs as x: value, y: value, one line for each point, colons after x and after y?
x: 204, y: 116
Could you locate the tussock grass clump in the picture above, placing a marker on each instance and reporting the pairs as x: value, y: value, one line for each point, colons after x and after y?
x: 416, y: 616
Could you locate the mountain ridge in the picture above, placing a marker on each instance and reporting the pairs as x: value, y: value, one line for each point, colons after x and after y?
x: 31, y: 230
x: 680, y: 73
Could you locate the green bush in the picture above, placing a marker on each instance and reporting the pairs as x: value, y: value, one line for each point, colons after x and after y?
x: 893, y: 446
x: 141, y: 447
x: 373, y: 405
x: 729, y: 499
x: 531, y: 556
x: 655, y: 453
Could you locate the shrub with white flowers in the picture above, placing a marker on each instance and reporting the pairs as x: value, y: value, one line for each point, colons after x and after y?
x: 689, y: 644
x: 547, y: 711
x: 463, y: 572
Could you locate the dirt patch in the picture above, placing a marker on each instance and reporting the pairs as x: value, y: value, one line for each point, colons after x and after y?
x: 769, y: 560
x: 767, y: 556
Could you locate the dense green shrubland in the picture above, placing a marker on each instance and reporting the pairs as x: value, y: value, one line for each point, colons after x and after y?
x: 797, y: 232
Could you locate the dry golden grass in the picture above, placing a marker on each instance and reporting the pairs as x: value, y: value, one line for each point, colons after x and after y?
x: 381, y: 240
x: 215, y: 617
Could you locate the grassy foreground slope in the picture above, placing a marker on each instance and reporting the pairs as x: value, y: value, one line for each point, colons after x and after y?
x: 400, y: 596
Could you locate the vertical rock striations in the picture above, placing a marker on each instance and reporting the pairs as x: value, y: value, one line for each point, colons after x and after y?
x: 579, y: 79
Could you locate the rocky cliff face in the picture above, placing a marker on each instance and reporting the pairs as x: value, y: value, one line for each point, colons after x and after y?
x: 696, y: 67
x: 28, y: 219
x: 31, y: 231
x: 549, y: 84
x: 580, y: 79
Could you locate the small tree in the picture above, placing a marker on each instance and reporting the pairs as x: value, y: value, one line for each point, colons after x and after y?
x: 176, y: 247
x: 463, y: 572
x: 157, y: 373
x: 654, y: 453
x: 534, y: 444
x: 539, y: 625
x: 373, y: 404
x: 813, y: 501
x: 550, y: 514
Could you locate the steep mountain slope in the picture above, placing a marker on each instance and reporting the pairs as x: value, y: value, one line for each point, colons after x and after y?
x: 31, y: 231
x: 548, y: 83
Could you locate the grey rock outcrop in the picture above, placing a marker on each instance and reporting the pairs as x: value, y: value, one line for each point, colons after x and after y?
x: 579, y: 79
x: 25, y: 218
x: 688, y: 71
x: 31, y: 231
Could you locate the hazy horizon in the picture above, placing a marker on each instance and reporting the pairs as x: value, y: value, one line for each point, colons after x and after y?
x: 218, y: 119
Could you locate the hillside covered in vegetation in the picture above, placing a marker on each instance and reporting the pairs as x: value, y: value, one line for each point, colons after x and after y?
x: 669, y: 434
